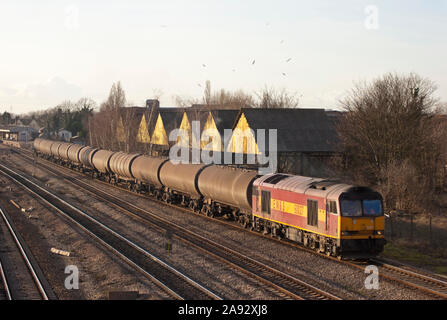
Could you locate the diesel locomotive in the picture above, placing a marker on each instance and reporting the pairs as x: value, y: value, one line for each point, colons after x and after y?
x: 337, y: 219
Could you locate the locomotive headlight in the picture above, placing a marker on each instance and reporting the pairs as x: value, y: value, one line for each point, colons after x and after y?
x: 379, y: 232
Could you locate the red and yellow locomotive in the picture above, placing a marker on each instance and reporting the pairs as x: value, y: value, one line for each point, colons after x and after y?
x: 331, y: 217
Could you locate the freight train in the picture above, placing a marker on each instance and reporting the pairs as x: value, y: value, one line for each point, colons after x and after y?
x: 333, y: 218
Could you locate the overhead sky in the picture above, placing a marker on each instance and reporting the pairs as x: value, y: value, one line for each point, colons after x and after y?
x: 63, y: 50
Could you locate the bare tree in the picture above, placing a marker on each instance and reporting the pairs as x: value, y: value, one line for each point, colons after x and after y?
x: 274, y: 99
x: 389, y: 124
x: 106, y: 122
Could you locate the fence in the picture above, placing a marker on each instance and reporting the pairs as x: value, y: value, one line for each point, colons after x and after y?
x: 428, y: 230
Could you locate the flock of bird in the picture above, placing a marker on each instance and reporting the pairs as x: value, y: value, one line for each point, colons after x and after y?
x: 252, y: 63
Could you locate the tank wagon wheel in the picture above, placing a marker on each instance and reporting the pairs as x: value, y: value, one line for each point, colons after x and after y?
x: 208, y: 210
x: 194, y: 205
x: 205, y: 209
x: 165, y: 197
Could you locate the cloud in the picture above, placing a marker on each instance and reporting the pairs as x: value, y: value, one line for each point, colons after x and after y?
x: 35, y: 96
x: 4, y: 91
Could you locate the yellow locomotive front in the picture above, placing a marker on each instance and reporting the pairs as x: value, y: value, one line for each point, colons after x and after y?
x: 361, y: 222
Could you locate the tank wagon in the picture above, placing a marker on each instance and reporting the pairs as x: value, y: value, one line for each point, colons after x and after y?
x: 73, y: 154
x: 120, y: 164
x: 85, y: 157
x: 36, y: 143
x: 226, y: 190
x: 63, y: 151
x: 146, y: 171
x: 101, y: 163
x: 328, y: 216
x: 180, y: 183
x: 43, y: 147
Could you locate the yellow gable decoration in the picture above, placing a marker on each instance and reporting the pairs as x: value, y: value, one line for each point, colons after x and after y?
x: 214, y: 141
x: 159, y: 135
x: 243, y: 139
x: 184, y: 138
x: 143, y: 134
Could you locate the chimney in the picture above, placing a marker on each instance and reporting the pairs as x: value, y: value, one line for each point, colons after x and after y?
x: 152, y: 103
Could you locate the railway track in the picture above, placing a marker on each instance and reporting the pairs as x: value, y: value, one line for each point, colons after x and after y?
x: 284, y: 285
x: 176, y: 284
x: 5, y: 292
x: 413, y: 279
x: 41, y: 286
x: 418, y: 280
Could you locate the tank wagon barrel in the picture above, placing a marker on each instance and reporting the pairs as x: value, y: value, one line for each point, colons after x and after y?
x: 63, y: 150
x: 147, y: 169
x: 230, y: 186
x: 120, y: 164
x: 181, y: 177
x: 36, y: 143
x: 74, y: 151
x: 101, y: 160
x: 45, y: 147
x: 54, y: 149
x: 86, y: 155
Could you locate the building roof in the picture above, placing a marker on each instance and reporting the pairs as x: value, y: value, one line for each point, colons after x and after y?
x: 301, y: 130
x: 224, y: 119
x: 16, y: 128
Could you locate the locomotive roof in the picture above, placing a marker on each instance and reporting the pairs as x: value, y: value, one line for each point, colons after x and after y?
x: 306, y: 185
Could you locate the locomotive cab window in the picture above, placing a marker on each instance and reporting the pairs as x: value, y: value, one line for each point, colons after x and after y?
x: 331, y: 207
x: 372, y: 208
x: 351, y: 208
x: 265, y: 202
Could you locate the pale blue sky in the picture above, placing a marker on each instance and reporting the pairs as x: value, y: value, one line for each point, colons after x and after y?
x: 56, y: 50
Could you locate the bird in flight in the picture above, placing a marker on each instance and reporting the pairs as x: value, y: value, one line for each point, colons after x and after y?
x: 199, y: 85
x: 288, y: 59
x: 283, y: 74
x: 204, y: 65
x: 253, y: 62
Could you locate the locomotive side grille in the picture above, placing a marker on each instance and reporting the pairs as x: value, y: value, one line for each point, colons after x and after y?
x: 312, y: 212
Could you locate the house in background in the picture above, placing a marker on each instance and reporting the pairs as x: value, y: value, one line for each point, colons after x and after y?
x: 306, y: 139
x: 64, y: 134
x: 17, y: 133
